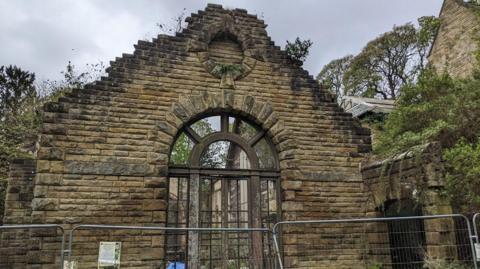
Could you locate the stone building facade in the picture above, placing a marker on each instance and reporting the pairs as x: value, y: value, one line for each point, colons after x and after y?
x: 104, y: 156
x: 456, y: 42
x: 103, y: 152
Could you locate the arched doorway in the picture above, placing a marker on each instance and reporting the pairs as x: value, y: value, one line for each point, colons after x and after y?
x: 406, y: 237
x: 223, y: 173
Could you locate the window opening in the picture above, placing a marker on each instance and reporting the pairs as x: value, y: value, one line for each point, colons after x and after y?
x: 230, y: 161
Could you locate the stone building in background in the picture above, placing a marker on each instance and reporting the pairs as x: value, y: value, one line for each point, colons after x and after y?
x: 457, y: 40
x: 104, y: 156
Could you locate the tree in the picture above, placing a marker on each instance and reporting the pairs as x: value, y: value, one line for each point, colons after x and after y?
x: 390, y: 61
x: 440, y: 108
x: 214, y: 157
x: 16, y: 87
x: 19, y: 118
x: 220, y: 154
x: 382, y: 66
x: 332, y: 75
x: 299, y: 49
x: 21, y: 100
x: 426, y: 34
x: 462, y: 163
x: 445, y: 110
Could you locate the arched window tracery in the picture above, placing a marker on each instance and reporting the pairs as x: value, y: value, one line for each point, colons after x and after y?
x: 223, y: 172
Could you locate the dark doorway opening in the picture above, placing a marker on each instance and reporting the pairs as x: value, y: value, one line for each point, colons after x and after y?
x: 407, y: 237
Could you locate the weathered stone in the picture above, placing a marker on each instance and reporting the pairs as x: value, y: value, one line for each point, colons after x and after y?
x: 107, y: 168
x: 44, y: 204
x: 104, y: 150
x: 166, y: 128
x: 456, y: 43
x: 156, y: 183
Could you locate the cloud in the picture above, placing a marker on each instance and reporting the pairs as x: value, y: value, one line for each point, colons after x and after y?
x: 42, y: 36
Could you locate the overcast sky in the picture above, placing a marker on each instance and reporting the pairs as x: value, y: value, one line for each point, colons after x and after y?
x: 43, y: 35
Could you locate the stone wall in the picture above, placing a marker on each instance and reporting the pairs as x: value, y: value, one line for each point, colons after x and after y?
x: 418, y: 176
x: 15, y: 244
x: 457, y: 39
x: 19, y: 193
x: 103, y: 151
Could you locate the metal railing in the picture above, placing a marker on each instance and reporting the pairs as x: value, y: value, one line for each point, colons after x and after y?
x: 475, y: 224
x: 37, y: 227
x: 398, y: 242
x: 239, y: 241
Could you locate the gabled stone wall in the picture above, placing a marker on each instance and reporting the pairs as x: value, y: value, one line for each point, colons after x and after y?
x: 103, y: 151
x: 457, y: 39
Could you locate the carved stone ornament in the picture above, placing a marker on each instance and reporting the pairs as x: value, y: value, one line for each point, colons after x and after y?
x: 227, y: 73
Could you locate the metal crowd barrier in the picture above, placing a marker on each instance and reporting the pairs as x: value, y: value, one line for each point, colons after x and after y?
x: 382, y: 241
x: 476, y: 222
x: 386, y: 241
x: 178, y: 232
x: 41, y: 226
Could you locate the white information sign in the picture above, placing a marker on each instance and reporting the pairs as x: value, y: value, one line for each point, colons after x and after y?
x: 109, y: 255
x: 70, y: 265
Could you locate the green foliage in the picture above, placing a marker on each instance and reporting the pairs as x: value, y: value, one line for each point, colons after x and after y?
x: 440, y: 108
x: 463, y: 166
x: 16, y: 88
x: 19, y: 119
x: 375, y: 266
x: 214, y: 157
x: 224, y: 69
x: 299, y: 49
x: 21, y: 102
x: 385, y: 64
x: 181, y: 150
x: 331, y: 75
x: 437, y: 108
x: 382, y: 66
x: 426, y: 34
x: 51, y: 90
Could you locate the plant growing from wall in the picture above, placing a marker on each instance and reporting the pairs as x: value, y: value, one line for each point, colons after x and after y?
x: 375, y: 266
x: 223, y: 69
x: 298, y: 50
x: 228, y: 73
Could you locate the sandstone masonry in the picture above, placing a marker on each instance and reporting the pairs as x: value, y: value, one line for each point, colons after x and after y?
x: 103, y: 152
x: 457, y: 39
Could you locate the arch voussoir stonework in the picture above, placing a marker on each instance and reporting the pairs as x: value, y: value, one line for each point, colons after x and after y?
x: 191, y: 107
